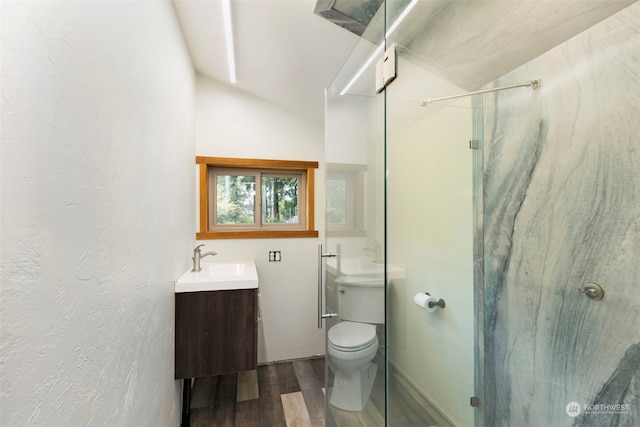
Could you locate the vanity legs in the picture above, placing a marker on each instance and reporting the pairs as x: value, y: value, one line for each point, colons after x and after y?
x: 186, y: 402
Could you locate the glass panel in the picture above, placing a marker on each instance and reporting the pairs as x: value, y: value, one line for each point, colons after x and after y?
x: 235, y: 201
x: 358, y: 239
x: 354, y: 194
x: 279, y: 200
x: 429, y: 224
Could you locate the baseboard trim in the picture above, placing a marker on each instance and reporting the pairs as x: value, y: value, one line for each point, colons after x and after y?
x: 418, y: 394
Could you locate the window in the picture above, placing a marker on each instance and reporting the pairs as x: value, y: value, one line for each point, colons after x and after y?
x: 256, y: 198
x: 345, y: 199
x: 250, y: 198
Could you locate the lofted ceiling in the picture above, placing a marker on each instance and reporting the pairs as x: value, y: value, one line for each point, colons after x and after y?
x: 284, y: 52
x: 288, y: 55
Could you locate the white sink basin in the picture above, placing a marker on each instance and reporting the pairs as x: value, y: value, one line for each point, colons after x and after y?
x: 363, y: 267
x: 219, y: 276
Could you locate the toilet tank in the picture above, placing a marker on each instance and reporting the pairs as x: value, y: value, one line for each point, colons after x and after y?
x: 361, y: 299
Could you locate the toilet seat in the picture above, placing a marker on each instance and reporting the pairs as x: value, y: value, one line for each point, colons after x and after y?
x: 352, y: 336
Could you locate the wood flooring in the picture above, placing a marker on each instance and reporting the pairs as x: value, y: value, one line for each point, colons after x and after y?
x: 291, y: 394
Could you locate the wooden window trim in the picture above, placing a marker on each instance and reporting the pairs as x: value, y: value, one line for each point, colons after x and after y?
x: 205, y: 162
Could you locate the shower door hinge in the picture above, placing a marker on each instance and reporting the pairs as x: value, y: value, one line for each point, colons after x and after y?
x: 473, y: 144
x: 386, y: 68
x: 474, y: 401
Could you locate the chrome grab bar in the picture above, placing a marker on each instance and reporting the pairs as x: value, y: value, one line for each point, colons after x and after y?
x: 320, y: 285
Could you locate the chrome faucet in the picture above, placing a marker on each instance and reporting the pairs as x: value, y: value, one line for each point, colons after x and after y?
x: 375, y: 249
x: 197, y: 256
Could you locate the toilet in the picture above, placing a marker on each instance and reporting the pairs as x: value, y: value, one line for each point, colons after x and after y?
x: 352, y: 343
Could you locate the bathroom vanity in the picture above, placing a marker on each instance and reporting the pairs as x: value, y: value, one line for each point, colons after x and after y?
x: 216, y: 323
x: 216, y: 319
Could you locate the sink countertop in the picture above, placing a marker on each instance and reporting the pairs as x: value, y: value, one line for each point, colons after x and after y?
x: 219, y: 276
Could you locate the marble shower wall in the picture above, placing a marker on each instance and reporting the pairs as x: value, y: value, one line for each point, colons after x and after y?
x: 562, y: 209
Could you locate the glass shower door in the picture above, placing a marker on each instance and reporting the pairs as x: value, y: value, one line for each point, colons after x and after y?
x: 354, y: 233
x: 431, y: 362
x: 398, y: 192
x: 430, y: 234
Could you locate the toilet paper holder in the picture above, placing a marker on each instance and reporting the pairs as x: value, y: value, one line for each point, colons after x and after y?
x: 439, y: 303
x: 426, y: 301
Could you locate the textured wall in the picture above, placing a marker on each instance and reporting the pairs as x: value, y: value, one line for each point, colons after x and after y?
x: 233, y: 123
x: 97, y: 211
x: 562, y: 208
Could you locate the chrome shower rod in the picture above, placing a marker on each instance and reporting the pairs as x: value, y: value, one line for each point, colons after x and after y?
x: 535, y: 84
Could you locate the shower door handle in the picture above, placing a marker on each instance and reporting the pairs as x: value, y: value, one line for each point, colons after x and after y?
x: 328, y: 315
x: 320, y: 285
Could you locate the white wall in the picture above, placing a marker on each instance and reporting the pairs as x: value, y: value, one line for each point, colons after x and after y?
x: 97, y: 211
x: 429, y: 220
x: 232, y: 123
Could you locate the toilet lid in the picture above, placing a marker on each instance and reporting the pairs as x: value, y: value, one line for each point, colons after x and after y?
x: 351, y: 336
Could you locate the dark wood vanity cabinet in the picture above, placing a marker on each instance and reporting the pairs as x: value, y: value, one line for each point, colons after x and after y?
x: 216, y: 332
